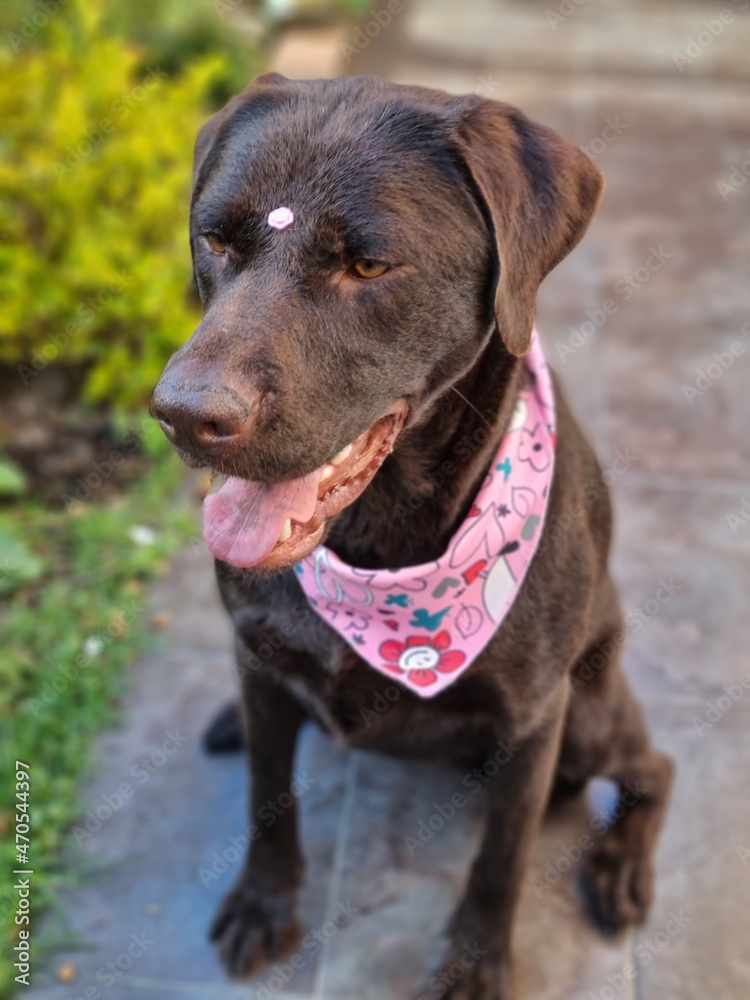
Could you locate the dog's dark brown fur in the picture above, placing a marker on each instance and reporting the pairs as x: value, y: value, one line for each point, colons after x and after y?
x: 475, y: 204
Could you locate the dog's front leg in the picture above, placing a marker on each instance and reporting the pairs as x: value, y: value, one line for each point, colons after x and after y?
x: 477, y: 963
x: 257, y: 921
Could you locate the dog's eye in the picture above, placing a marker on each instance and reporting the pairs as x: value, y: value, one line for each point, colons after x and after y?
x: 367, y: 268
x: 215, y: 243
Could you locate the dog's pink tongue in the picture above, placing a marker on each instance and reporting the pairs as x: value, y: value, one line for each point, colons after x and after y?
x: 242, y: 522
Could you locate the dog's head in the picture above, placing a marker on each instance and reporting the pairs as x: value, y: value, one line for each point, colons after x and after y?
x: 419, y: 224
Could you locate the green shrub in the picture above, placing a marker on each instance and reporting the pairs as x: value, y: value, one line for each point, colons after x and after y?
x: 76, y: 617
x: 95, y: 160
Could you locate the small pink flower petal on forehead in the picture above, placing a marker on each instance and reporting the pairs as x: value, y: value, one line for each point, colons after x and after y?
x: 281, y: 218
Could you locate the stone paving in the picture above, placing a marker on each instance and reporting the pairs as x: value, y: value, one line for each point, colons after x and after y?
x: 661, y: 100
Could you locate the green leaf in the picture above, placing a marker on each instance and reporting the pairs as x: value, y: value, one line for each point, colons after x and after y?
x: 12, y: 481
x: 18, y: 564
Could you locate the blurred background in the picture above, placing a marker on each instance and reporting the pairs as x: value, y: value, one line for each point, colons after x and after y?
x: 114, y: 652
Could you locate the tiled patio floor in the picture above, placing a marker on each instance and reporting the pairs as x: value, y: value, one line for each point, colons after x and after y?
x: 680, y: 135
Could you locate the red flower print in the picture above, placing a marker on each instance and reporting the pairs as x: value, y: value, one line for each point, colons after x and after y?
x: 420, y: 656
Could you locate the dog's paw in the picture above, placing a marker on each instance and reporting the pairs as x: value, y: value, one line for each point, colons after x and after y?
x: 469, y: 974
x: 617, y: 885
x: 253, y: 927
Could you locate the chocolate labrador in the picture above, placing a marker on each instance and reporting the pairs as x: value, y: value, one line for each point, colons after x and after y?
x: 368, y: 257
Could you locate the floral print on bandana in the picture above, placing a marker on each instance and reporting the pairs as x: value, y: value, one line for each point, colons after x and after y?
x: 420, y: 656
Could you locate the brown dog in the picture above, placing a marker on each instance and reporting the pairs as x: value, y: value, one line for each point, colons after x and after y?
x: 395, y: 314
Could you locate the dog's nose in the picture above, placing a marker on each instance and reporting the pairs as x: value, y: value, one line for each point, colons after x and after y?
x: 202, y: 421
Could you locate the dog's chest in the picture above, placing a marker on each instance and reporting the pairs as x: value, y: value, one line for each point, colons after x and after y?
x: 356, y: 704
x: 363, y: 709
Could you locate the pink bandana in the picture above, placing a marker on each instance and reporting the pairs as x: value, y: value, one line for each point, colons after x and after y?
x: 425, y: 625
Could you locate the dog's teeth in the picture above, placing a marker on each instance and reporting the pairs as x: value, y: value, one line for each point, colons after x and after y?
x: 342, y: 455
x: 327, y: 471
x: 286, y: 531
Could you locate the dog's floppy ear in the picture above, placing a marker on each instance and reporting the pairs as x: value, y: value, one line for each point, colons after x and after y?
x: 540, y: 192
x: 206, y: 142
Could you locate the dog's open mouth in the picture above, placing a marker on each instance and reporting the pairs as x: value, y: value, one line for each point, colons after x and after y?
x: 251, y: 524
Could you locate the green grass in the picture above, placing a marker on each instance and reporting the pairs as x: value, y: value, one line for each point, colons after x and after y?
x: 73, y: 584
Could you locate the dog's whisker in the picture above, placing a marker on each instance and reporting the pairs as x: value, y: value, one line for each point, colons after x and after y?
x: 471, y: 406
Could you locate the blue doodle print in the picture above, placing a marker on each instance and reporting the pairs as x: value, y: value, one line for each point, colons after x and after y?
x: 423, y: 619
x: 504, y: 467
x: 402, y: 600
